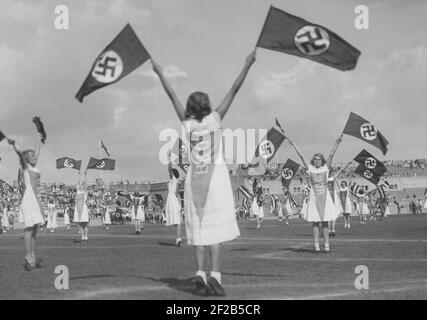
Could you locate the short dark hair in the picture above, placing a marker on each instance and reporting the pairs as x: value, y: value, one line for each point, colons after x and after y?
x: 175, y: 173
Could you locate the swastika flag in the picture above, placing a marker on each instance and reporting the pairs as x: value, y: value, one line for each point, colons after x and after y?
x: 123, y: 55
x: 286, y: 33
x: 364, y: 130
x: 2, y: 136
x: 288, y: 172
x: 369, y: 167
x: 66, y: 162
x: 101, y: 164
x: 181, y: 153
x: 265, y: 151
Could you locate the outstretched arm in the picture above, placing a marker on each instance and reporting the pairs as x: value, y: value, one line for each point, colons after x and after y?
x: 333, y: 151
x: 169, y: 90
x: 298, y: 151
x: 226, y: 103
x: 170, y: 166
x: 341, y: 170
x: 38, y: 145
x: 19, y: 153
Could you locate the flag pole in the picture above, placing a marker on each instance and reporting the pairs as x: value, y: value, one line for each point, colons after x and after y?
x: 100, y: 156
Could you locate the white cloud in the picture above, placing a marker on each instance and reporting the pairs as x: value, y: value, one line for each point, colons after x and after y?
x: 170, y: 72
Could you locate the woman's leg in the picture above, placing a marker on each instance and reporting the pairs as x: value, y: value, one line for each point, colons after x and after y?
x: 325, y: 227
x: 178, y: 231
x: 33, y: 243
x: 316, y: 235
x: 28, y: 234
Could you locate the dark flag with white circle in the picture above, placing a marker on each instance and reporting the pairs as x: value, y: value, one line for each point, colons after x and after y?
x: 364, y: 130
x: 369, y: 167
x: 101, y: 164
x: 288, y: 172
x: 70, y: 163
x: 286, y: 33
x: 123, y: 55
x: 182, y: 155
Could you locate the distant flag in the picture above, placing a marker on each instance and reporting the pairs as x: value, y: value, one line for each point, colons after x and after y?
x: 364, y: 130
x: 181, y: 153
x: 369, y: 167
x: 2, y: 136
x: 425, y: 192
x: 288, y: 172
x: 66, y: 162
x: 381, y: 191
x: 286, y: 33
x: 123, y: 55
x: 279, y: 126
x: 246, y: 196
x: 40, y: 128
x: 265, y: 151
x: 105, y: 148
x: 354, y: 187
x: 101, y: 164
x: 294, y: 204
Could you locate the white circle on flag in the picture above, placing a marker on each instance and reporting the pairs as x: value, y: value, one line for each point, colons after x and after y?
x: 368, y: 131
x: 368, y: 174
x: 370, y: 163
x: 68, y: 163
x: 312, y: 40
x: 287, y: 174
x: 183, y: 151
x: 100, y: 164
x: 108, y: 67
x: 266, y: 149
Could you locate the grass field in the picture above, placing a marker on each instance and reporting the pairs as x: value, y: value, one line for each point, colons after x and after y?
x: 275, y: 262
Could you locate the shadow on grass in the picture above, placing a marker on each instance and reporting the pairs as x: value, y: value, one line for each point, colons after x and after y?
x: 167, y: 244
x: 255, y: 275
x: 183, y: 285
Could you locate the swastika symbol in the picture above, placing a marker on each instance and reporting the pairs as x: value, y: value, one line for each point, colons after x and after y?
x: 370, y: 163
x: 312, y: 40
x: 68, y: 163
x: 287, y: 173
x: 368, y: 131
x: 183, y: 151
x: 108, y: 68
x: 266, y: 149
x: 368, y: 174
x: 100, y: 164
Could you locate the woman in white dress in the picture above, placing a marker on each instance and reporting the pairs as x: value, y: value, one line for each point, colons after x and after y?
x: 31, y: 208
x: 138, y: 213
x: 66, y: 218
x: 286, y: 205
x: 5, y: 220
x: 320, y: 207
x: 51, y: 216
x: 362, y: 209
x: 208, y: 199
x: 344, y: 196
x: 81, y: 211
x: 173, y: 207
x: 107, y: 208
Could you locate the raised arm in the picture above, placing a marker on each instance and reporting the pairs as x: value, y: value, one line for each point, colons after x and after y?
x: 226, y: 103
x: 169, y: 90
x: 333, y: 151
x: 170, y: 166
x: 335, y: 175
x: 37, y: 146
x: 19, y: 153
x: 298, y: 151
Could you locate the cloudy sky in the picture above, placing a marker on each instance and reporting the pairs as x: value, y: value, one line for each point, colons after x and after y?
x: 202, y: 45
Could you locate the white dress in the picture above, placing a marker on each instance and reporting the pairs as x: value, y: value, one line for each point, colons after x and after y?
x: 137, y: 210
x: 215, y: 222
x: 335, y: 197
x: 81, y: 211
x: 66, y: 217
x: 173, y: 207
x: 5, y: 219
x: 51, y: 216
x: 344, y: 196
x: 106, y: 219
x: 320, y: 207
x: 362, y: 205
x: 30, y: 205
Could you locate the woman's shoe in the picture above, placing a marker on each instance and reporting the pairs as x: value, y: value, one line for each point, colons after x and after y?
x: 327, y: 249
x: 38, y: 263
x: 316, y: 248
x: 201, y: 287
x: 216, y: 288
x: 28, y: 266
x: 178, y: 243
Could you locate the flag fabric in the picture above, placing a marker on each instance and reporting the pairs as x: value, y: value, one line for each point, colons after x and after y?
x: 288, y: 172
x: 371, y: 175
x: 371, y: 163
x: 381, y: 192
x: 279, y: 126
x: 245, y: 204
x: 123, y: 55
x: 101, y: 164
x: 265, y: 151
x: 2, y: 136
x: 294, y: 204
x: 181, y: 154
x: 40, y: 128
x: 425, y: 192
x: 105, y: 148
x: 354, y: 187
x: 364, y: 130
x: 286, y: 33
x: 245, y: 192
x: 66, y: 162
x: 5, y: 186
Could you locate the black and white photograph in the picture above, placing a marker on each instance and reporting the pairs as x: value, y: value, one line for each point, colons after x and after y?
x: 213, y: 155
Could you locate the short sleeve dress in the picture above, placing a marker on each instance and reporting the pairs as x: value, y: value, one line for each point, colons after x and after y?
x: 173, y: 207
x: 31, y: 209
x: 215, y: 223
x: 320, y: 207
x: 81, y: 211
